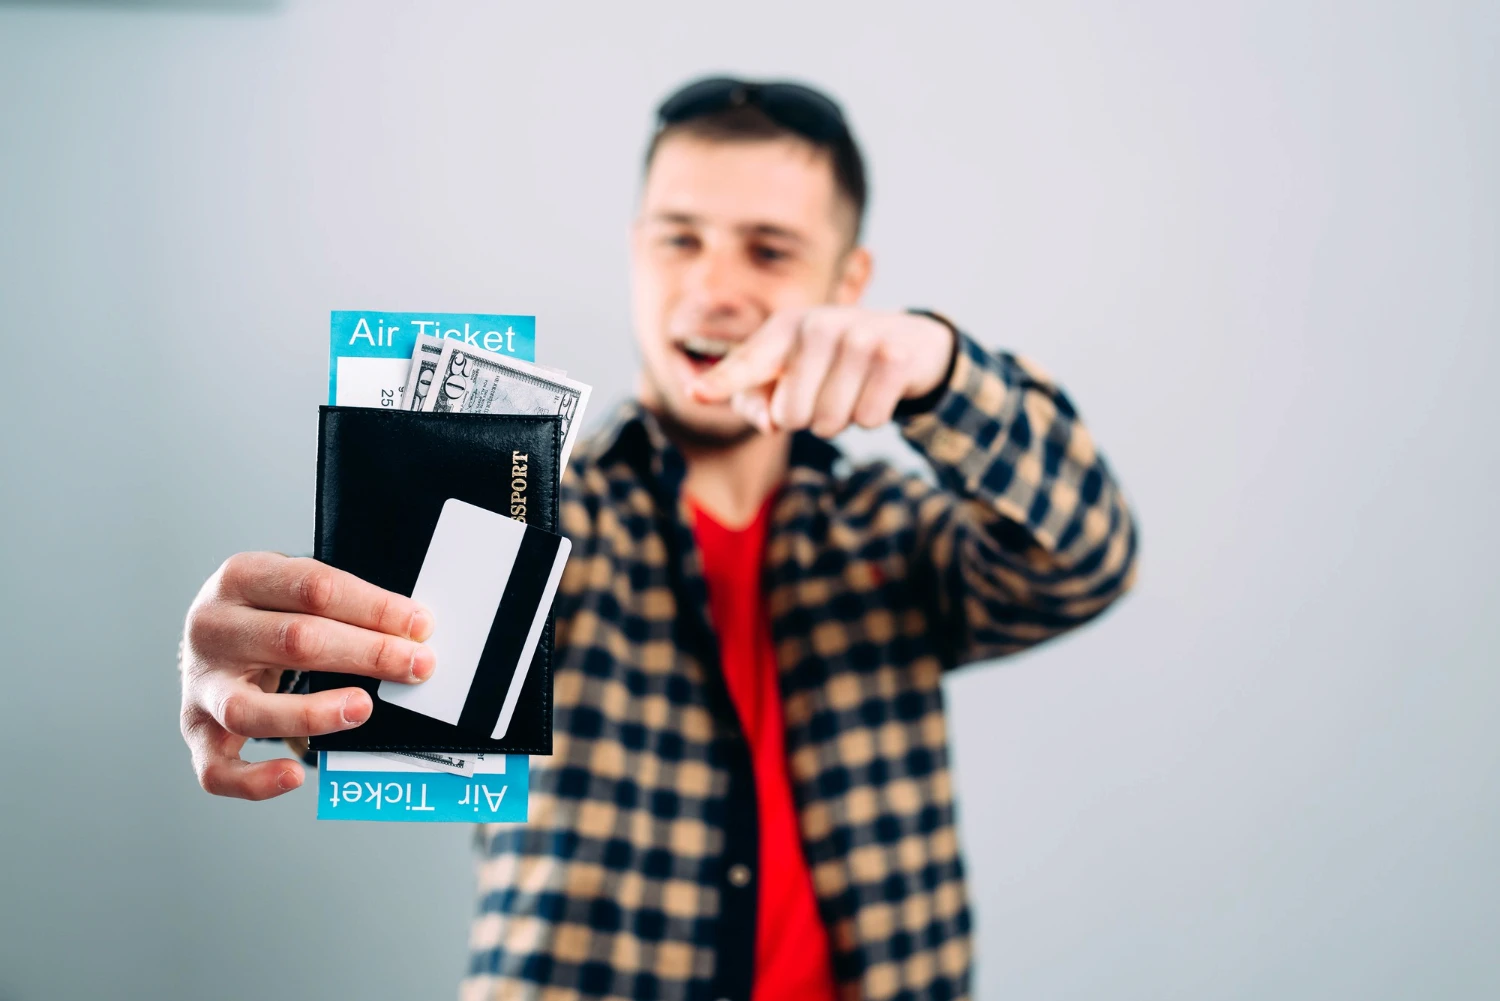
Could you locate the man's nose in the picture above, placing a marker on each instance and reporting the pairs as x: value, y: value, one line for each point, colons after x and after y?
x: 718, y: 285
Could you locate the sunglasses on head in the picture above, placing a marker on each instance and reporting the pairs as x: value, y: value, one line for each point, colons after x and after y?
x: 790, y: 105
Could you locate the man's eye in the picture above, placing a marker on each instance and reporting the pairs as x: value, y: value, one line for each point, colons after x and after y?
x: 682, y: 241
x: 769, y: 255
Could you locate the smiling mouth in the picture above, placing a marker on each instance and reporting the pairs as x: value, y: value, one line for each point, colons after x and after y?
x: 704, y: 352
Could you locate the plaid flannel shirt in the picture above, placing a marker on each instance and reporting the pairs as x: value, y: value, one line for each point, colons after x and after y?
x: 877, y: 582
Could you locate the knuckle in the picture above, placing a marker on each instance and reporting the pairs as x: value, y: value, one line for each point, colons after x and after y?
x: 199, y: 626
x: 230, y: 572
x: 297, y: 641
x: 861, y: 341
x: 207, y: 625
x: 382, y: 611
x: 195, y: 724
x: 305, y: 717
x: 233, y: 713
x: 212, y: 779
x: 822, y: 328
x: 234, y: 572
x: 385, y: 655
x: 192, y: 721
x: 321, y: 717
x: 317, y: 590
x: 891, y: 353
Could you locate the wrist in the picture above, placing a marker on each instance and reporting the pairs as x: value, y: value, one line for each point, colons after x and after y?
x: 927, y: 400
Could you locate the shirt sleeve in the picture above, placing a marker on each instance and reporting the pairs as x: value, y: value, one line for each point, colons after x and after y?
x: 1027, y: 534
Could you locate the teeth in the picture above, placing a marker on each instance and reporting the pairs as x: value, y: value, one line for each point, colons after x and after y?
x: 711, y: 347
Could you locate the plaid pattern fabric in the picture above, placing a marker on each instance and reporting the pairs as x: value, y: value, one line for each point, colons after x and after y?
x: 877, y: 581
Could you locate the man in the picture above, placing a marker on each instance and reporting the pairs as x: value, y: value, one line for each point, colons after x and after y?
x: 749, y: 794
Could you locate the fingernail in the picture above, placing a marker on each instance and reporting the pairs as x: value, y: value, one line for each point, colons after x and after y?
x: 356, y: 708
x: 288, y: 779
x: 421, y: 625
x: 423, y: 662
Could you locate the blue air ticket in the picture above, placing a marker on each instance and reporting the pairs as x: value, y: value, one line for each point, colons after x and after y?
x: 370, y: 352
x: 356, y: 786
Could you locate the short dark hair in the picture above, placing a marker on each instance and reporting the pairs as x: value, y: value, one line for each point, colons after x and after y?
x: 749, y: 123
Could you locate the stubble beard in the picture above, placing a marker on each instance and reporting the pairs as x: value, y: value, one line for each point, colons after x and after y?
x: 687, y: 433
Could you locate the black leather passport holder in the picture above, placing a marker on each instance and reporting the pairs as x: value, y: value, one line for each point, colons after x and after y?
x: 384, y: 478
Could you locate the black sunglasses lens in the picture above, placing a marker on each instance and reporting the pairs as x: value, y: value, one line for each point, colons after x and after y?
x: 803, y: 110
x: 799, y: 108
x: 702, y: 97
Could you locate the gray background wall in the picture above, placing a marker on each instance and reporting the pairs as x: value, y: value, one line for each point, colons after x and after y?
x: 1258, y: 242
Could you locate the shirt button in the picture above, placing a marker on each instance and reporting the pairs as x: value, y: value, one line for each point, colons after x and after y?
x: 739, y: 874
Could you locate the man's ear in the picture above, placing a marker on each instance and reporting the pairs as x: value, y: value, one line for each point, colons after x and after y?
x: 854, y: 275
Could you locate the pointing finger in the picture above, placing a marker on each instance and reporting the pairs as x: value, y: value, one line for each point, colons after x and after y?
x: 754, y: 362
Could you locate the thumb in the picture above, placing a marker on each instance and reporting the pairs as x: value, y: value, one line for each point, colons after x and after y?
x: 754, y: 405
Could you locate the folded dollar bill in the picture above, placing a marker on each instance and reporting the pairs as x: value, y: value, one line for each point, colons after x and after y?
x: 473, y: 381
x: 424, y: 362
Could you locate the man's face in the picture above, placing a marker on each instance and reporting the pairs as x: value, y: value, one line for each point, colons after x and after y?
x: 728, y: 233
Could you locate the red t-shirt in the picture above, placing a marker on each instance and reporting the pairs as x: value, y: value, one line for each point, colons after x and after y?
x: 792, y: 959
